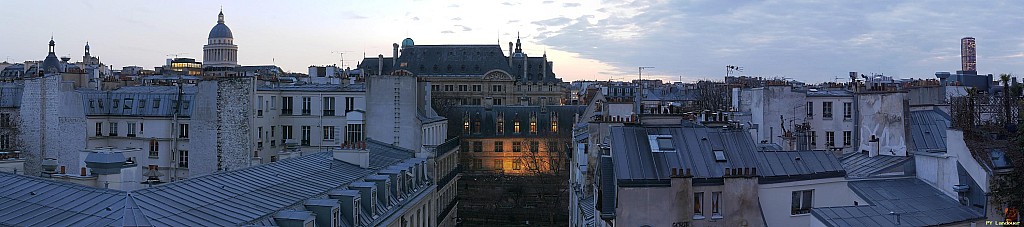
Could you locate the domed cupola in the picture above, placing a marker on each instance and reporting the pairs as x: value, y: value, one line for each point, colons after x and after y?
x: 51, y: 64
x: 220, y: 30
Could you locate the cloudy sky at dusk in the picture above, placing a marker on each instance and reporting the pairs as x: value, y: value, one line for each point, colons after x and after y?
x: 808, y: 40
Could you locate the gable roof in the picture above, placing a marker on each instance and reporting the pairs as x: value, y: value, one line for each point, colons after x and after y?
x: 785, y: 166
x: 928, y: 130
x: 694, y: 149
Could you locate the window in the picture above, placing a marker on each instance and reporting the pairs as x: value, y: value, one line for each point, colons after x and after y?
x: 517, y: 146
x: 478, y: 163
x: 847, y: 138
x: 477, y: 87
x: 665, y: 143
x: 554, y: 123
x: 259, y: 106
x: 328, y: 106
x: 306, y: 105
x: 435, y: 87
x: 810, y: 109
x: 92, y: 103
x: 355, y: 133
x: 156, y: 103
x: 99, y: 102
x: 534, y: 146
x: 273, y: 142
x: 142, y: 103
x: 847, y: 110
x: 826, y: 109
x: 259, y: 135
x: 465, y: 124
x: 478, y: 146
x: 286, y: 133
x: 515, y: 127
x: 128, y: 103
x: 99, y: 128
x: 131, y: 129
x: 801, y: 202
x: 552, y: 147
x: 533, y: 124
x: 498, y: 165
x: 500, y: 127
x: 328, y: 132
x: 5, y: 120
x: 497, y: 87
x: 5, y: 142
x: 273, y: 102
x: 716, y: 210
x: 499, y: 146
x: 497, y: 101
x: 463, y: 87
x: 183, y: 133
x: 517, y: 164
x: 182, y: 159
x: 114, y: 103
x: 305, y: 135
x: 814, y: 138
x: 154, y: 148
x: 698, y: 205
x: 286, y: 105
x: 113, y: 129
x: 830, y: 139
x: 449, y: 87
x: 350, y: 104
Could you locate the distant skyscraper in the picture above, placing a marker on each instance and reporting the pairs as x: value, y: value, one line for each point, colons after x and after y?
x: 220, y: 50
x: 968, y: 54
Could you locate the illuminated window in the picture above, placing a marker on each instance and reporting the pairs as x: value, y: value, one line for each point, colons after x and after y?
x: 554, y: 123
x: 515, y: 126
x: 533, y: 123
x: 698, y: 208
x: 517, y: 164
x: 465, y: 124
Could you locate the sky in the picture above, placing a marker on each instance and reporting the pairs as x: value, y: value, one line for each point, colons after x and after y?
x: 688, y: 40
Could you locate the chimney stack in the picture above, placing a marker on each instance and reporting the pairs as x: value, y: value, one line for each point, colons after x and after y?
x: 380, y: 64
x: 394, y: 56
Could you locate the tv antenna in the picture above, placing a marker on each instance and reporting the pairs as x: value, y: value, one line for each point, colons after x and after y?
x: 341, y: 56
x: 175, y: 55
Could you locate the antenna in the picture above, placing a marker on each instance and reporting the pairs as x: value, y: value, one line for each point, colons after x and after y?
x: 175, y: 55
x: 341, y: 56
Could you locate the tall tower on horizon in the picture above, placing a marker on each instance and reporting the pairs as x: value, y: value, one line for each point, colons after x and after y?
x: 220, y: 50
x: 968, y: 55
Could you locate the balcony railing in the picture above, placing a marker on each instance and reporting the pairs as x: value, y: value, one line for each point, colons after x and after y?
x: 447, y: 209
x: 446, y: 147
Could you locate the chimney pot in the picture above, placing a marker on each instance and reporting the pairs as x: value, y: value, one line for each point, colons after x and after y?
x: 62, y: 170
x: 753, y: 171
x: 83, y: 171
x: 675, y: 172
x: 727, y: 171
x: 746, y: 171
x: 688, y: 172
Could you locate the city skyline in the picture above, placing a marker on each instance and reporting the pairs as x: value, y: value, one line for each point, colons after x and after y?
x: 812, y: 42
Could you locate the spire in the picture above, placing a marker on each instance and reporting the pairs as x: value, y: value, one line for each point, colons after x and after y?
x: 220, y: 17
x: 86, y: 48
x: 519, y: 45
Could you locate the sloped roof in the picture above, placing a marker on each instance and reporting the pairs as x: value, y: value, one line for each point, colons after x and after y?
x: 634, y: 161
x: 916, y: 202
x: 488, y: 117
x: 860, y: 165
x: 928, y: 130
x: 143, y: 101
x: 245, y: 196
x: 783, y: 166
x: 453, y: 59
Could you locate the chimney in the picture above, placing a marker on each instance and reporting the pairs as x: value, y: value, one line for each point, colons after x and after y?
x: 380, y: 64
x: 394, y: 56
x: 326, y: 212
x: 368, y: 193
x: 83, y: 171
x: 350, y: 201
x: 293, y: 218
x: 510, y: 54
x: 353, y: 154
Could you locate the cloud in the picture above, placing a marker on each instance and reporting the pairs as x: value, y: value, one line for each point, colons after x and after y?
x: 570, y: 4
x: 548, y: 2
x: 558, y: 21
x: 447, y: 32
x: 513, y: 21
x: 804, y: 40
x: 453, y: 6
x: 510, y: 3
x: 416, y: 18
x: 457, y: 18
x: 464, y: 28
x: 355, y: 16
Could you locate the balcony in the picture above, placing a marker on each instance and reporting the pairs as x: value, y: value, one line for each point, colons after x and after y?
x: 446, y: 147
x: 286, y: 112
x: 447, y: 209
x: 328, y: 112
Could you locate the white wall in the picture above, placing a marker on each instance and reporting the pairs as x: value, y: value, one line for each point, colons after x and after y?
x: 940, y: 170
x: 776, y: 199
x: 882, y: 115
x: 836, y: 124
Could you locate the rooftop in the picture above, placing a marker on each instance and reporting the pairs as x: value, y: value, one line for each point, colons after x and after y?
x: 241, y: 197
x: 916, y: 202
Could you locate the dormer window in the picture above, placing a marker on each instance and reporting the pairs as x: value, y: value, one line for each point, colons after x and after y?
x: 661, y: 143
